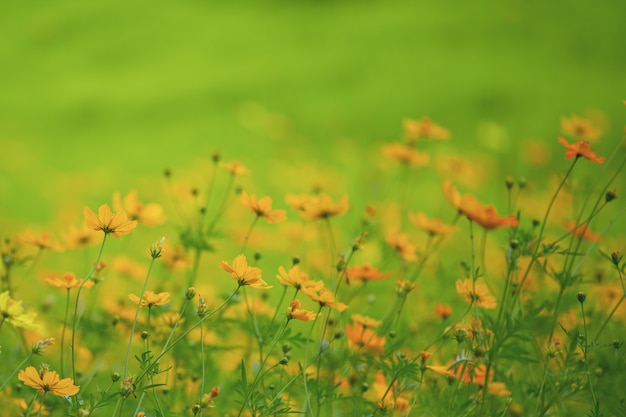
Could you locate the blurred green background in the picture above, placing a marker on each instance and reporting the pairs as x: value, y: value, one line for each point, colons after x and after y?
x: 102, y: 96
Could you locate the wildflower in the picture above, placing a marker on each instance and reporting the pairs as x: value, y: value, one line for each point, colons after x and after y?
x: 156, y: 249
x: 582, y: 231
x: 294, y: 312
x: 433, y: 227
x: 443, y: 311
x: 42, y: 241
x: 293, y: 278
x: 68, y: 281
x: 581, y: 129
x: 111, y: 224
x: 326, y: 298
x: 299, y: 202
x: 207, y: 400
x: 262, y: 207
x: 244, y: 274
x: 404, y: 286
x: 366, y: 322
x: 48, y: 381
x: 469, y: 206
x: 79, y: 237
x: 151, y: 299
x: 476, y: 293
x: 175, y: 258
x: 424, y: 129
x: 580, y: 148
x: 235, y: 168
x: 150, y: 214
x: 362, y: 337
x: 405, y: 154
x: 400, y: 243
x: 365, y: 272
x: 13, y: 312
x: 322, y: 207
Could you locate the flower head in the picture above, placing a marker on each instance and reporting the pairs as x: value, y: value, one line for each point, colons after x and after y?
x: 47, y: 381
x: 401, y: 244
x: 115, y: 225
x: 294, y: 312
x: 424, y: 129
x: 578, y: 149
x: 365, y: 272
x: 13, y: 312
x: 292, y: 278
x: 151, y: 299
x: 262, y: 207
x: 235, y: 168
x: 244, y: 274
x: 67, y: 281
x: 405, y: 154
x: 79, y: 237
x: 362, y: 337
x: 150, y: 214
x: 583, y: 231
x: 326, y: 298
x: 476, y: 293
x: 581, y: 129
x: 42, y: 241
x: 431, y: 226
x: 322, y: 207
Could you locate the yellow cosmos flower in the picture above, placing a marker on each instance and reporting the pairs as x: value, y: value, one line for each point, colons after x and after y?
x: 79, y: 237
x: 322, y: 207
x: 476, y: 293
x: 361, y: 337
x: 405, y: 154
x: 244, y: 274
x: 400, y: 243
x: 150, y: 214
x: 111, y: 224
x: 292, y: 278
x: 431, y: 226
x: 151, y: 299
x: 67, y: 281
x: 581, y: 129
x: 13, y: 312
x: 235, y: 168
x: 262, y: 207
x: 47, y: 381
x: 42, y: 241
x: 326, y: 298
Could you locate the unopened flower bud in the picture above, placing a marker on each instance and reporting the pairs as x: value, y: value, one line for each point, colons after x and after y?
x: 295, y: 261
x: 610, y: 195
x: 514, y: 244
x: 286, y: 347
x: 257, y: 256
x: 616, y: 258
x: 617, y: 343
x: 145, y: 335
x: 284, y: 360
x: 157, y: 248
x: 191, y: 293
x: 115, y: 377
x: 196, y: 409
x: 216, y: 157
x: 509, y: 182
x: 39, y: 348
x: 167, y: 173
x: 581, y: 297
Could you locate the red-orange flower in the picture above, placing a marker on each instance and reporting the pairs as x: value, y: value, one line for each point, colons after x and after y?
x: 262, y: 207
x: 578, y: 149
x: 115, y: 225
x: 583, y: 231
x: 365, y: 272
x: 443, y: 311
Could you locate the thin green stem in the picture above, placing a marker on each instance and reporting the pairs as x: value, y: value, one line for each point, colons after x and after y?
x: 6, y: 382
x: 67, y: 312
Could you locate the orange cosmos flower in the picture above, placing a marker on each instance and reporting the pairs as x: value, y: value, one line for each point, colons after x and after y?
x: 150, y: 214
x: 67, y: 281
x: 424, y: 129
x: 365, y: 272
x: 151, y: 299
x: 42, y: 241
x: 79, y: 237
x: 443, y: 311
x: 262, y: 207
x: 400, y: 243
x: 244, y: 274
x: 293, y: 278
x: 405, y: 154
x: 325, y: 298
x: 361, y: 337
x: 580, y: 148
x: 115, y: 225
x: 235, y: 168
x: 48, y: 381
x: 294, y: 312
x: 581, y: 129
x: 322, y: 207
x: 583, y: 231
x: 469, y: 206
x: 476, y: 293
x: 431, y: 226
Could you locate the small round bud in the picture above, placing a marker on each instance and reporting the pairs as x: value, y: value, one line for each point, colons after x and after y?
x: 216, y: 157
x: 286, y: 347
x: 196, y: 409
x: 257, y: 255
x: 167, y: 173
x: 284, y: 360
x: 364, y: 387
x: 191, y: 293
x: 392, y: 334
x: 616, y: 257
x: 338, y: 334
x: 144, y: 335
x: 295, y: 261
x: 581, y: 297
x: 479, y: 352
x: 521, y: 183
x: 115, y: 377
x: 271, y: 387
x: 514, y: 244
x: 610, y: 195
x: 509, y: 182
x: 617, y: 343
x: 536, y: 223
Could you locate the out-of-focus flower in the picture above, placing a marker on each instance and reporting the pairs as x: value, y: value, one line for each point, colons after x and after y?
x: 325, y: 298
x: 42, y: 241
x: 47, y: 381
x: 405, y: 154
x: 244, y: 274
x: 365, y: 272
x: 476, y: 293
x: 292, y: 278
x: 364, y: 338
x: 115, y: 225
x: 151, y: 299
x: 443, y: 311
x: 424, y: 129
x: 67, y: 281
x: 150, y: 214
x: 13, y: 312
x: 262, y: 207
x: 431, y: 226
x: 79, y: 237
x: 401, y: 244
x: 235, y: 168
x: 580, y: 148
x: 583, y: 231
x: 322, y: 207
x: 294, y: 312
x: 580, y: 128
